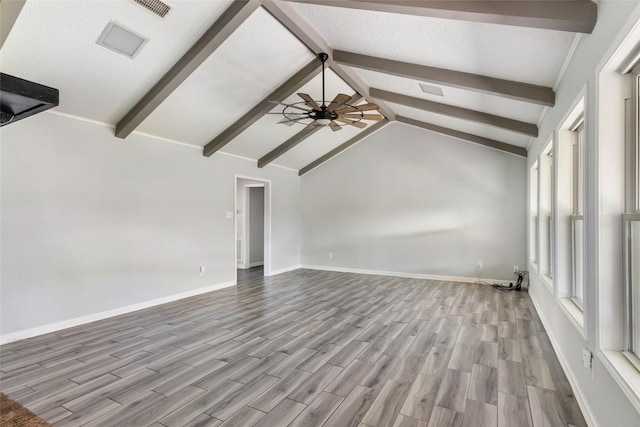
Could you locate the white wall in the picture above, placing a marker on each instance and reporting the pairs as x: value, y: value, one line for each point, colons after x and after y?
x: 603, y: 393
x: 407, y: 200
x: 92, y: 223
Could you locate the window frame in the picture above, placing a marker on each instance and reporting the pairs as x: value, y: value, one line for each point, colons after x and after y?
x: 534, y: 177
x: 631, y: 292
x: 631, y: 215
x: 546, y: 213
x: 577, y: 206
x: 552, y: 206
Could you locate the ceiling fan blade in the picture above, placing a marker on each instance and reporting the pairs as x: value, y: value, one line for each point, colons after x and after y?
x: 311, y: 125
x: 291, y: 114
x: 377, y: 117
x: 335, y: 127
x: 360, y: 125
x: 291, y: 120
x: 363, y: 107
x: 339, y: 100
x: 310, y: 102
x: 290, y: 106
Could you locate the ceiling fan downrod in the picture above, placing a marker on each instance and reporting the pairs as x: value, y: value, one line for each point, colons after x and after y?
x: 323, y: 58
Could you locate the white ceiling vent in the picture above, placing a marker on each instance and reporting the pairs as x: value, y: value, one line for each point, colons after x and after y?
x: 431, y: 89
x: 155, y: 6
x: 121, y: 40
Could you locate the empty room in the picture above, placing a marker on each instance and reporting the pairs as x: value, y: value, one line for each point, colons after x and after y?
x: 367, y: 213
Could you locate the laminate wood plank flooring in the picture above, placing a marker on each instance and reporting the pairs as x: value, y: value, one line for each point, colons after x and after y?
x: 304, y: 348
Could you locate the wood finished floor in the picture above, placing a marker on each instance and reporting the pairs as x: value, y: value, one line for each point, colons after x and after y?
x: 305, y: 348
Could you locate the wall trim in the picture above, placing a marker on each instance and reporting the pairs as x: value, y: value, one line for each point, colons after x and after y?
x: 70, y: 323
x: 462, y: 279
x: 577, y: 391
x: 256, y: 264
x: 158, y: 138
x: 285, y: 270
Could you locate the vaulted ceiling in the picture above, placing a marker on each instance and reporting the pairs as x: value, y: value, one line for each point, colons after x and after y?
x: 481, y: 71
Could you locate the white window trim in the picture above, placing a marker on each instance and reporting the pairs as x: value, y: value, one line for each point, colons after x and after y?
x: 574, y: 309
x: 632, y: 212
x: 534, y: 213
x: 577, y: 203
x: 609, y: 327
x: 546, y: 217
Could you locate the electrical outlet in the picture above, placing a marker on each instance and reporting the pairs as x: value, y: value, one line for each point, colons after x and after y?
x: 330, y: 254
x: 587, y: 358
x: 516, y: 268
x: 480, y: 265
x: 202, y: 270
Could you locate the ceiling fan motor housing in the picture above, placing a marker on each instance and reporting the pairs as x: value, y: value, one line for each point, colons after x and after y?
x: 323, y: 114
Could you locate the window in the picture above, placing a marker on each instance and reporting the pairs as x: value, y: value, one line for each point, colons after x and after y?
x: 631, y: 219
x: 546, y: 205
x: 569, y: 233
x: 632, y: 273
x: 533, y: 214
x: 577, y: 218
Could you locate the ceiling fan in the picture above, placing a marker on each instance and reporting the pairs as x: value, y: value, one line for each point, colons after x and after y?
x: 312, y: 113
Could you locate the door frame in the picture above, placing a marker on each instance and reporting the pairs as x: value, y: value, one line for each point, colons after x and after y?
x: 267, y: 222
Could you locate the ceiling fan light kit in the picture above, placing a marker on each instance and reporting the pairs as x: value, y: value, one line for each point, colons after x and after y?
x: 313, y: 113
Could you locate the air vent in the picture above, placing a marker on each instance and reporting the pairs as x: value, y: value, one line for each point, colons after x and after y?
x: 122, y: 40
x: 155, y: 6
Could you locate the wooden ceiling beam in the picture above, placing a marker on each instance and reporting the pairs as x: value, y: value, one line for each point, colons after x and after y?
x: 280, y: 94
x: 292, y: 20
x: 287, y: 145
x: 331, y: 154
x: 224, y: 26
x: 355, y: 81
x: 528, y: 129
x: 296, y: 139
x: 505, y: 88
x: 578, y: 16
x: 518, y: 151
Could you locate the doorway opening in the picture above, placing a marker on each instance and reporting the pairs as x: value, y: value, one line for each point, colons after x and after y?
x: 252, y: 226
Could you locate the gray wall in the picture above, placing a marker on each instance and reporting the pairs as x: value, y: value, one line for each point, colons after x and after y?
x: 407, y: 200
x: 92, y: 223
x: 256, y: 225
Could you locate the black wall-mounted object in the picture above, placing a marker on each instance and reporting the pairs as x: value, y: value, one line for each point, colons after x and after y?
x: 21, y: 98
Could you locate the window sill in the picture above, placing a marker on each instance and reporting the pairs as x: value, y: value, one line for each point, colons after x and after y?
x: 547, y: 280
x: 624, y: 373
x: 574, y: 313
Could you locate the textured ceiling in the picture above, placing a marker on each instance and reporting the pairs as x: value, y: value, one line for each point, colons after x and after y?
x: 474, y: 128
x: 256, y: 59
x: 53, y: 43
x: 487, y: 103
x: 514, y: 53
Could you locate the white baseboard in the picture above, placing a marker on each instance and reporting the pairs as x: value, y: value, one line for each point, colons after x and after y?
x: 285, y: 270
x: 65, y: 324
x: 243, y: 266
x: 577, y: 391
x: 408, y: 275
